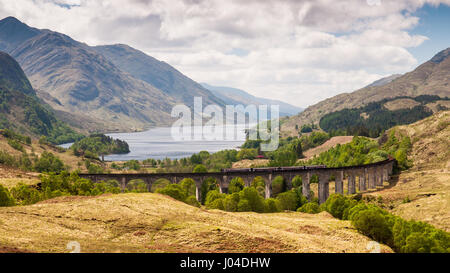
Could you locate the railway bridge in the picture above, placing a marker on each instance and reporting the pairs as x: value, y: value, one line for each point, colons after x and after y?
x: 362, y: 177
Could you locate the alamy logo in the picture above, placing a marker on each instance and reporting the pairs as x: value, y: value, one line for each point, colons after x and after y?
x: 224, y: 125
x: 74, y: 247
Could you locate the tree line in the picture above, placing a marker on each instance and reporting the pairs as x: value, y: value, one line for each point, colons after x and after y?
x: 373, y: 119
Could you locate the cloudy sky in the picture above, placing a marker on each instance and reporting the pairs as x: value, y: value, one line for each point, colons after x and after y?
x: 299, y: 51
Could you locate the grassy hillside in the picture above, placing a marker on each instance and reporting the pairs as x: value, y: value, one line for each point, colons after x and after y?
x: 10, y: 175
x: 155, y: 223
x: 423, y: 192
x: 22, y: 111
x: 430, y: 78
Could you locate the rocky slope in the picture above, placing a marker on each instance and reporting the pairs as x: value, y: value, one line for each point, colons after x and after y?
x: 157, y: 73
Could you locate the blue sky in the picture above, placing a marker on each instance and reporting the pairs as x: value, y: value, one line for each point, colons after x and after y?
x: 434, y: 24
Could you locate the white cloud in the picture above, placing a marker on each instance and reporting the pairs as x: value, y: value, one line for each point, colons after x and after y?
x: 297, y: 51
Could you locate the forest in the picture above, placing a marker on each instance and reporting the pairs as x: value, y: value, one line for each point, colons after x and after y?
x: 99, y: 144
x: 372, y: 120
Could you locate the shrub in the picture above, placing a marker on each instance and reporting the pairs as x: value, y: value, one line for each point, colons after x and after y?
x: 336, y: 205
x: 236, y: 185
x: 288, y: 200
x: 95, y: 169
x: 200, y: 169
x: 6, y: 200
x: 309, y: 208
x: 297, y: 182
x: 173, y: 190
x: 373, y: 223
x: 247, y: 154
x: 25, y: 195
x: 272, y: 205
x: 48, y: 162
x: 216, y: 204
x: 255, y: 201
x: 16, y: 145
x: 278, y: 185
x: 188, y: 186
x: 138, y: 186
x: 244, y: 205
x: 231, y: 202
x: 191, y: 200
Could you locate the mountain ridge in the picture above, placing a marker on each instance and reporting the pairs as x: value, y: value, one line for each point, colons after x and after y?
x: 235, y: 96
x: 429, y: 78
x: 157, y: 73
x: 83, y: 83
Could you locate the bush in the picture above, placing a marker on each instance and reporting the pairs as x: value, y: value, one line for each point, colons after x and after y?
x: 288, y: 200
x: 336, y: 205
x: 137, y: 186
x: 247, y: 154
x: 49, y: 163
x: 213, y: 195
x: 216, y: 204
x: 175, y: 191
x: 244, y: 205
x: 236, y: 185
x: 373, y: 223
x: 95, y: 169
x: 312, y: 208
x: 231, y: 202
x: 255, y: 201
x: 188, y: 186
x: 6, y: 200
x: 25, y: 195
x: 272, y: 205
x: 278, y: 185
x: 200, y: 169
x: 191, y: 200
x: 16, y: 145
x: 297, y: 182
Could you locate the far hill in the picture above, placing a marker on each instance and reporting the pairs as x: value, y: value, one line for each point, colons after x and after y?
x: 22, y: 111
x: 234, y: 96
x: 430, y: 78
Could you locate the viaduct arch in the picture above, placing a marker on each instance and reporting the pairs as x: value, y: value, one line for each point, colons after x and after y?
x: 366, y: 177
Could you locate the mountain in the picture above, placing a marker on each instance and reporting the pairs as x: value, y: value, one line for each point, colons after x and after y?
x: 106, y: 88
x: 233, y: 96
x: 430, y: 78
x: 13, y: 33
x: 22, y: 111
x: 81, y: 84
x: 384, y: 81
x: 157, y: 73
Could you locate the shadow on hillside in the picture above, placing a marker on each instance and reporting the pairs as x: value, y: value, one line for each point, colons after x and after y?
x: 393, y: 181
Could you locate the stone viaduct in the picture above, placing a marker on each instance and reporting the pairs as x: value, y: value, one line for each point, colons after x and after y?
x: 365, y: 177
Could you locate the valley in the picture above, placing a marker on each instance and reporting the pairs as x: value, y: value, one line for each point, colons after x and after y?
x: 364, y: 167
